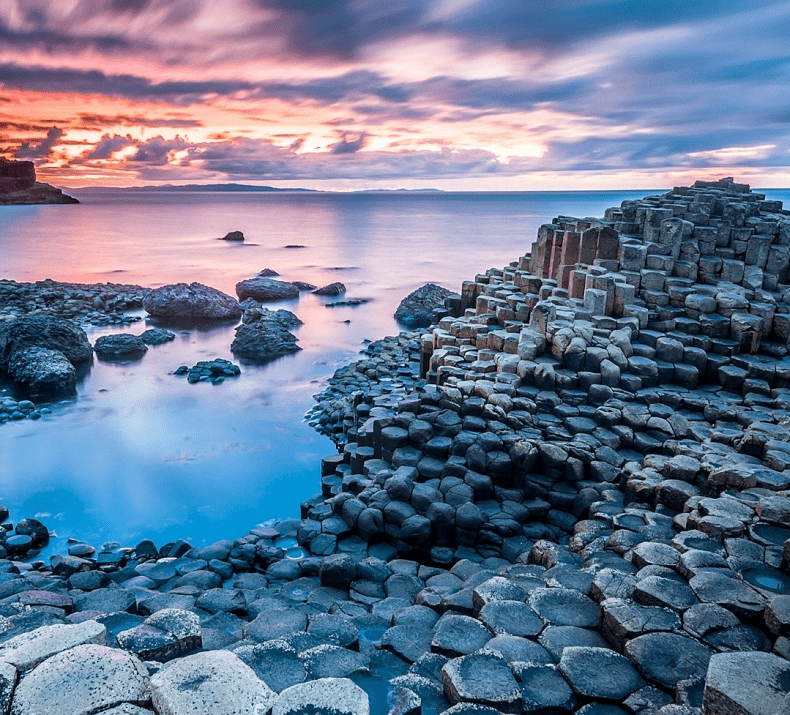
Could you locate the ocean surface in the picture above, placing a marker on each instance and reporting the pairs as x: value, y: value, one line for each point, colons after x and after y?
x: 141, y: 453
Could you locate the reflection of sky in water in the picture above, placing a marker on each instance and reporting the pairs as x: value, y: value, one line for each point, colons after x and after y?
x: 143, y: 453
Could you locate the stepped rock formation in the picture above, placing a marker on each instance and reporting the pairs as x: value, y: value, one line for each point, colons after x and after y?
x: 18, y: 185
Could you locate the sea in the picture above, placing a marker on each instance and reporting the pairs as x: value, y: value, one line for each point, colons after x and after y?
x: 140, y: 453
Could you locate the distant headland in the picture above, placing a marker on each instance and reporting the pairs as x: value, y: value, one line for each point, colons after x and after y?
x: 18, y: 185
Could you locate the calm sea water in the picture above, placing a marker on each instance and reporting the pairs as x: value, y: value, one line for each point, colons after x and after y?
x: 142, y: 453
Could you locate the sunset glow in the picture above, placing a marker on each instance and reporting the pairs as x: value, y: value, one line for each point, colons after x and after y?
x: 350, y: 94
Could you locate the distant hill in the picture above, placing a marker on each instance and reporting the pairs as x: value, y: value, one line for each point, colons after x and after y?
x: 241, y: 188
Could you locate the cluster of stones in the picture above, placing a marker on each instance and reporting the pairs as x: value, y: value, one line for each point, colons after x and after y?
x: 87, y: 304
x: 373, y: 386
x: 264, y: 334
x: 214, y: 371
x: 13, y: 410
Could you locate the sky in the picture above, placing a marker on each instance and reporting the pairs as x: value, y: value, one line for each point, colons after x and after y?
x: 353, y: 94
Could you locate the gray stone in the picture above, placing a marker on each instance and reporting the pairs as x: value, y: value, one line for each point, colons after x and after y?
x: 511, y: 617
x: 328, y: 696
x: 416, y: 308
x: 482, y: 679
x: 43, y: 373
x: 565, y: 607
x: 266, y: 289
x: 166, y: 634
x: 599, y: 673
x: 276, y: 663
x: 194, y: 301
x: 746, y: 684
x: 275, y: 623
x: 211, y: 683
x: 119, y: 347
x: 80, y: 681
x: 27, y: 650
x: 459, y: 635
x: 543, y: 689
x: 331, y: 661
x: 668, y: 658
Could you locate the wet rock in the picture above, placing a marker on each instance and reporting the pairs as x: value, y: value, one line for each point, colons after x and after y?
x: 119, y: 347
x: 80, y: 680
x: 331, y: 661
x: 276, y: 663
x: 266, y: 289
x: 543, y: 689
x: 44, y: 331
x: 565, y: 607
x: 212, y: 683
x: 417, y: 307
x: 195, y: 301
x: 511, y: 617
x: 331, y: 289
x: 275, y: 623
x: 233, y: 236
x: 459, y: 635
x: 33, y: 528
x: 43, y: 373
x: 157, y: 336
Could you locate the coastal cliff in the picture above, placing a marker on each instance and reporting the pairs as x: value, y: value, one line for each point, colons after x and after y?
x: 18, y: 185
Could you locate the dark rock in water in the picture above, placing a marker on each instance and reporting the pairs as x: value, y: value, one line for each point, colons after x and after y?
x: 263, y: 340
x: 266, y: 289
x: 19, y: 544
x: 268, y: 273
x: 18, y: 185
x: 301, y: 285
x: 163, y: 636
x: 233, y: 236
x: 120, y: 347
x: 44, y: 331
x: 332, y: 289
x: 35, y: 530
x: 280, y: 318
x: 295, y: 245
x: 347, y: 303
x: 417, y: 307
x: 157, y: 336
x: 214, y: 371
x: 195, y: 301
x: 43, y: 372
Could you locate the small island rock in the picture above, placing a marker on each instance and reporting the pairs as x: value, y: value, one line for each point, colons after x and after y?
x: 331, y: 289
x: 233, y: 236
x: 43, y: 372
x: 44, y: 331
x: 195, y: 301
x: 266, y: 289
x: 157, y: 336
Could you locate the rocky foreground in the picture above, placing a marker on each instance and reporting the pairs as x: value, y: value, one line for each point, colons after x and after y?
x: 570, y: 495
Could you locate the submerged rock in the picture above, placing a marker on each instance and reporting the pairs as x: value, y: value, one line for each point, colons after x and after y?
x: 120, y: 347
x: 195, y: 301
x: 417, y: 307
x: 157, y: 336
x: 266, y: 289
x: 43, y: 373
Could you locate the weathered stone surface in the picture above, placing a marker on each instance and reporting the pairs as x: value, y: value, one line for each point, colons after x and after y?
x: 262, y: 341
x: 164, y: 635
x: 119, y: 347
x: 266, y: 289
x: 44, y: 331
x: 459, y: 635
x: 565, y: 607
x: 668, y: 658
x: 543, y: 689
x: 43, y: 373
x: 27, y: 650
x: 194, y: 301
x: 746, y: 684
x: 599, y: 673
x: 276, y: 663
x: 327, y: 696
x: 482, y: 679
x: 211, y: 683
x: 80, y: 681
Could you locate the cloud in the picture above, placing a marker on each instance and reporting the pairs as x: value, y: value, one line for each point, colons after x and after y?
x: 348, y: 146
x: 98, y: 120
x: 107, y: 146
x: 41, y: 150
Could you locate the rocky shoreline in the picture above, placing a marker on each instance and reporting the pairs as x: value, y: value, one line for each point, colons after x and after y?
x: 18, y: 186
x: 570, y: 494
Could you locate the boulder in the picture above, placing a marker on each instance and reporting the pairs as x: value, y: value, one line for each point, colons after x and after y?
x: 44, y: 331
x: 262, y: 341
x: 43, y: 373
x: 484, y: 679
x: 195, y: 301
x: 332, y: 289
x: 81, y: 681
x: 233, y: 236
x: 749, y: 683
x: 33, y: 528
x: 210, y: 683
x: 164, y: 635
x: 27, y: 650
x: 266, y: 289
x: 120, y: 347
x: 417, y: 308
